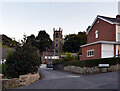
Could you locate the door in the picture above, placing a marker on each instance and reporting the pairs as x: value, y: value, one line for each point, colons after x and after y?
x: 107, y: 51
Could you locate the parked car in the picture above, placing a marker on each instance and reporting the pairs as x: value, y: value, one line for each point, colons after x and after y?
x: 49, y: 65
x: 118, y: 55
x: 62, y: 56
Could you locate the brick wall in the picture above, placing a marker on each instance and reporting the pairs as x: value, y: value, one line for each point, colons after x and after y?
x: 106, y: 32
x: 97, y: 52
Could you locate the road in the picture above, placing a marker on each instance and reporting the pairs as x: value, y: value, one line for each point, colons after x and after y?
x: 52, y: 79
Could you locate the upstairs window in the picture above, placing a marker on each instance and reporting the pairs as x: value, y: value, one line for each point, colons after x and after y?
x: 96, y: 34
x: 98, y: 21
x: 118, y: 33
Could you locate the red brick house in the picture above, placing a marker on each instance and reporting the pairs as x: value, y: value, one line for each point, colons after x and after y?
x: 103, y: 38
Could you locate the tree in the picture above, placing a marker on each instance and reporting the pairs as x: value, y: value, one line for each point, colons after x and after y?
x: 31, y: 40
x: 23, y: 60
x: 44, y: 41
x: 72, y: 42
x: 83, y: 38
x: 7, y: 41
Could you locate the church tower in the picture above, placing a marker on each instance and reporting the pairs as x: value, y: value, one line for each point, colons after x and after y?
x: 57, y: 39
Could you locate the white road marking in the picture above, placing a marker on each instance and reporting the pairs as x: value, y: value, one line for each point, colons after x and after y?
x: 73, y: 76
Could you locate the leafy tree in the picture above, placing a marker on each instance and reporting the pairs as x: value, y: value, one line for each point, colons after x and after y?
x: 44, y: 41
x: 23, y: 60
x: 72, y: 42
x: 83, y: 38
x: 31, y: 40
x: 7, y: 41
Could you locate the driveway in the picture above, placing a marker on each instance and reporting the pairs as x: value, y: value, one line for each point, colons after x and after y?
x: 52, y: 79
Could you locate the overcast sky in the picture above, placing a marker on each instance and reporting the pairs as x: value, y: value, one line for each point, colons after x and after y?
x: 30, y: 17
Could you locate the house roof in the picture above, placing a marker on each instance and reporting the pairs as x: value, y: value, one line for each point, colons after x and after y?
x: 114, y: 20
x: 106, y: 19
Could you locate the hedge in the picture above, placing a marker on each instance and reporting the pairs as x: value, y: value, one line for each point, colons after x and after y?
x: 90, y: 63
x: 2, y: 68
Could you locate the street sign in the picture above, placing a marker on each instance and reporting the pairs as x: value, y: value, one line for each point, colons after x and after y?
x: 103, y: 65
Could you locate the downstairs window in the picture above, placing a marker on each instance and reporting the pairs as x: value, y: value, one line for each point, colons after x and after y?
x: 90, y: 53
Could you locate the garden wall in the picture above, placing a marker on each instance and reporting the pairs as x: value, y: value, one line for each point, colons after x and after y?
x: 88, y: 66
x: 91, y: 70
x: 23, y: 80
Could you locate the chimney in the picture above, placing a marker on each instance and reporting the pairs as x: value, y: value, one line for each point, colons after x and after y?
x: 118, y: 17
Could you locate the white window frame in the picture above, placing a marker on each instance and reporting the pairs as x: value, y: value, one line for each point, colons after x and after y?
x: 98, y: 21
x: 89, y: 53
x: 96, y: 34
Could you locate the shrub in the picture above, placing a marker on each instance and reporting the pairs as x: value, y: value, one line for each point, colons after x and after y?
x: 2, y: 68
x: 23, y: 60
x: 58, y: 61
x: 91, y: 63
x: 67, y: 55
x: 95, y: 62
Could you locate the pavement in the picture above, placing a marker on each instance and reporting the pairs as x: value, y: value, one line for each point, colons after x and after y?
x: 52, y: 79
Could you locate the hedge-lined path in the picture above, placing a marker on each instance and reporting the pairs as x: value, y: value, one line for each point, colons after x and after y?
x: 63, y: 80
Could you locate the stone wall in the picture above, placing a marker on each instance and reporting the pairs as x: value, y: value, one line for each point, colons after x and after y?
x: 91, y: 70
x: 23, y: 80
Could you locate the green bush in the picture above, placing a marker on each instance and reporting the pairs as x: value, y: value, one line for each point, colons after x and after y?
x: 90, y: 63
x: 23, y: 60
x: 2, y: 68
x: 58, y: 61
x: 67, y: 55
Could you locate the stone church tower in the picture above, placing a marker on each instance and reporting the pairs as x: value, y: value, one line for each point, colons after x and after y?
x: 57, y: 39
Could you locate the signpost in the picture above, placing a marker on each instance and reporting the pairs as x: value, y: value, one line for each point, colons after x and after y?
x: 103, y: 65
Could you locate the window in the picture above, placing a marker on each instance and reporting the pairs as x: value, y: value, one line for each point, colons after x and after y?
x: 96, y: 34
x: 56, y: 35
x: 56, y: 40
x: 118, y: 36
x: 56, y: 45
x: 90, y: 53
x: 98, y: 21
